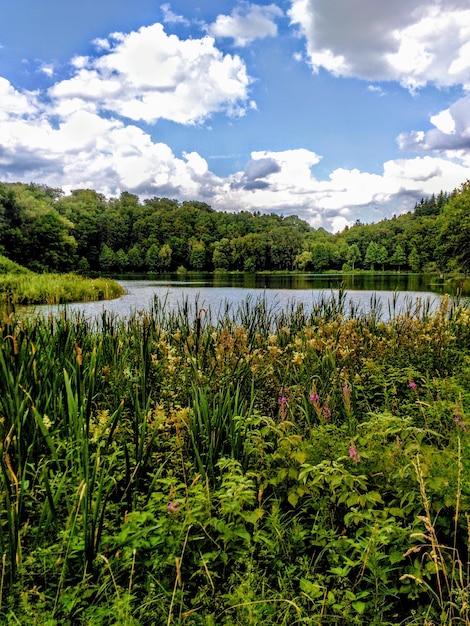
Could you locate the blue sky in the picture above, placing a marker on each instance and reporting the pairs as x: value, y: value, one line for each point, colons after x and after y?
x: 333, y: 110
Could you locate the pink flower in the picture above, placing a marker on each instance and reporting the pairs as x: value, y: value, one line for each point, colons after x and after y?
x: 314, y: 397
x: 283, y: 405
x: 412, y: 384
x: 353, y: 453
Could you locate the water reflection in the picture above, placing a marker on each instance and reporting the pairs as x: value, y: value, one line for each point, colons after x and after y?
x: 369, y: 282
x: 388, y: 294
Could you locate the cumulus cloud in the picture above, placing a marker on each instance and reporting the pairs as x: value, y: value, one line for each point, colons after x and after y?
x: 450, y: 135
x: 255, y: 172
x: 414, y: 42
x: 148, y: 75
x: 345, y: 196
x: 247, y: 23
x: 109, y: 155
x: 13, y: 103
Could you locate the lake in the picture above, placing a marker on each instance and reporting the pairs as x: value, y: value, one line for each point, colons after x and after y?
x: 215, y: 292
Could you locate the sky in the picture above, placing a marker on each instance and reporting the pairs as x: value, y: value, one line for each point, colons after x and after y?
x: 331, y: 110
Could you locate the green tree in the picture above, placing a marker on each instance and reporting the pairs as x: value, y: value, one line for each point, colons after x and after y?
x: 197, y: 254
x: 134, y: 256
x: 353, y: 255
x: 84, y: 208
x: 121, y: 260
x: 414, y: 260
x: 221, y: 255
x: 454, y: 238
x: 107, y: 259
x: 303, y: 261
x: 372, y: 255
x: 399, y: 257
x: 382, y: 256
x: 152, y: 258
x: 285, y: 245
x: 320, y: 256
x: 164, y: 258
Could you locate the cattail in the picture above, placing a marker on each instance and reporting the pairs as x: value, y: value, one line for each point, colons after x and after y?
x: 79, y: 354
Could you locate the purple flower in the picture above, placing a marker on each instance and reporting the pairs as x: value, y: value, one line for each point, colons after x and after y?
x: 173, y: 507
x: 460, y: 423
x: 412, y: 384
x: 314, y: 397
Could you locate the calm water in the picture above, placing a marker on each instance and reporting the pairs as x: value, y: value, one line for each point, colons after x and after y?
x: 215, y: 292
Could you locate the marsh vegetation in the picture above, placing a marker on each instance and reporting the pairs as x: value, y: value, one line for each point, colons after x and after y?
x: 257, y: 467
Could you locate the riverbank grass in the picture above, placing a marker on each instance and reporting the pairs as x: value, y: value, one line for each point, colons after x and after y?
x: 19, y: 285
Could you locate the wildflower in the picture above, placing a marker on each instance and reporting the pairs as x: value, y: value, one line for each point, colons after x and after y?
x: 412, y: 384
x: 298, y: 358
x: 398, y: 444
x: 326, y: 412
x: 460, y: 423
x: 353, y: 453
x: 173, y: 507
x: 283, y: 403
x: 314, y: 397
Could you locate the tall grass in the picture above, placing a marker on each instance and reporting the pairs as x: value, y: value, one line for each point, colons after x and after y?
x: 33, y: 288
x: 246, y: 466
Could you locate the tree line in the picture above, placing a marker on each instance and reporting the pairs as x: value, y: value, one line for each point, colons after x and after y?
x: 45, y: 230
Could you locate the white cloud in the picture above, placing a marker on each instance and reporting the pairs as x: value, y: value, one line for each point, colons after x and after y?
x: 47, y: 69
x: 451, y: 135
x: 101, y: 44
x: 87, y: 150
x: 149, y: 75
x: 172, y: 18
x: 247, y: 23
x: 444, y: 122
x: 345, y: 196
x: 14, y: 104
x: 414, y: 42
x: 377, y: 90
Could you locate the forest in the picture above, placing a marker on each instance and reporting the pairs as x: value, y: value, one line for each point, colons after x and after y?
x: 48, y: 231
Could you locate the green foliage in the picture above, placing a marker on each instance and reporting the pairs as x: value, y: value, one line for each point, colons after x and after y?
x: 10, y: 267
x: 45, y: 230
x: 455, y: 232
x: 262, y: 467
